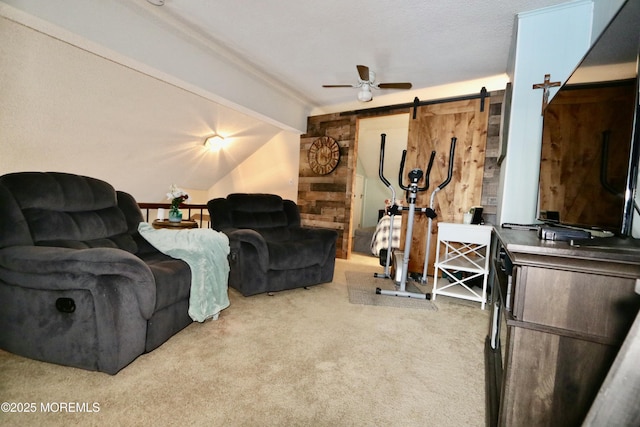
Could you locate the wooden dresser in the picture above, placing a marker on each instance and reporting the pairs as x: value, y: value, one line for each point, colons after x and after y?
x: 567, y: 312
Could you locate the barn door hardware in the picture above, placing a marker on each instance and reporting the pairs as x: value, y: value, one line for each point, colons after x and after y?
x: 416, y: 104
x: 483, y: 94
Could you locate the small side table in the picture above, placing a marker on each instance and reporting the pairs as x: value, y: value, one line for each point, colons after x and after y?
x: 165, y: 223
x: 465, y: 257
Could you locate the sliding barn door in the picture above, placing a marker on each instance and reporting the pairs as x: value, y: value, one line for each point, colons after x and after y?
x: 432, y: 129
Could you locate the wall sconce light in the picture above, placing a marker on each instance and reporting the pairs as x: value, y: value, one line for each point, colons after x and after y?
x: 214, y: 143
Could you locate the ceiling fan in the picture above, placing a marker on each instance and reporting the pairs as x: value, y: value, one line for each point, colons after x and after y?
x: 366, y: 81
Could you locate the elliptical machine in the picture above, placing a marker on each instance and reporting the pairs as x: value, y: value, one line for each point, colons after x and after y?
x: 412, y: 190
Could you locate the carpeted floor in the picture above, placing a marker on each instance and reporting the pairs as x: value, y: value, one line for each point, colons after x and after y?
x: 362, y: 290
x: 298, y: 358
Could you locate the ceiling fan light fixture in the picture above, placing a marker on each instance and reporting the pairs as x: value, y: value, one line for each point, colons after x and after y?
x: 366, y: 80
x: 365, y: 94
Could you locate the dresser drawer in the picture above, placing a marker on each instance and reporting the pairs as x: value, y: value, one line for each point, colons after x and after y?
x: 589, y: 304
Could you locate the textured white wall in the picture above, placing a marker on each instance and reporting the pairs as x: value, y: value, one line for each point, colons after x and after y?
x: 549, y: 41
x: 136, y: 32
x: 63, y: 108
x: 271, y: 169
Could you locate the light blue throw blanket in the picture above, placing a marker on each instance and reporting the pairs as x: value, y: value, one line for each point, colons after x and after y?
x: 205, y: 250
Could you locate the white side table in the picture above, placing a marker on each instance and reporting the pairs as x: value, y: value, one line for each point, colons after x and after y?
x: 462, y: 254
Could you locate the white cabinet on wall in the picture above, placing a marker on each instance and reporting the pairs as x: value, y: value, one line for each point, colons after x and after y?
x: 551, y: 41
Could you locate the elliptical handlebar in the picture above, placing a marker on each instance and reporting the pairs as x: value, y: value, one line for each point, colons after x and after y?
x: 433, y: 212
x: 392, y: 211
x: 416, y: 174
x: 386, y: 182
x: 426, y: 185
x: 404, y: 157
x: 451, y: 153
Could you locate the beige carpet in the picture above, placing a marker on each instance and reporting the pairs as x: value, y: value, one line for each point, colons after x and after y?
x: 362, y: 290
x: 298, y: 358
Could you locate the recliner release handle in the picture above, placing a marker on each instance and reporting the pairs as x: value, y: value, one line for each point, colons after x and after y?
x: 65, y: 305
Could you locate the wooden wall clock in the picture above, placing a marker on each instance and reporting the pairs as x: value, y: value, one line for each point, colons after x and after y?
x: 324, y: 155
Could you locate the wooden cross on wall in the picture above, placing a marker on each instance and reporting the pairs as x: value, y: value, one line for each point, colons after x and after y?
x: 545, y: 86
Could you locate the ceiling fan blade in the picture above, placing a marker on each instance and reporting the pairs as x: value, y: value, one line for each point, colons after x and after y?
x: 394, y: 86
x: 363, y: 71
x: 338, y: 86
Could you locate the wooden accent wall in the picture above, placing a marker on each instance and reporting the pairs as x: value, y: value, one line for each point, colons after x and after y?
x: 325, y: 201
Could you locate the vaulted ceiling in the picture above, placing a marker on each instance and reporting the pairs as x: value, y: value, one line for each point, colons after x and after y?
x: 301, y: 45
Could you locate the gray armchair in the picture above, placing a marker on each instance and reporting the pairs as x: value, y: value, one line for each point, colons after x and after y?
x: 78, y: 285
x: 270, y: 251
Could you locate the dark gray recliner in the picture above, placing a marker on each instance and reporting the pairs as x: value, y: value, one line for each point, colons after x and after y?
x: 78, y: 284
x: 270, y: 251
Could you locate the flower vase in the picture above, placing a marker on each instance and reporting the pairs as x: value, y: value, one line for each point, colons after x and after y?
x: 175, y: 216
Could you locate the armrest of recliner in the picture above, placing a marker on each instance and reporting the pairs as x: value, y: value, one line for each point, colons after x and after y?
x: 245, y: 236
x: 299, y: 233
x: 99, y: 270
x: 327, y: 236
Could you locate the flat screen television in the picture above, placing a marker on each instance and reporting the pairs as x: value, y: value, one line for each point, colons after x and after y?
x: 591, y: 136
